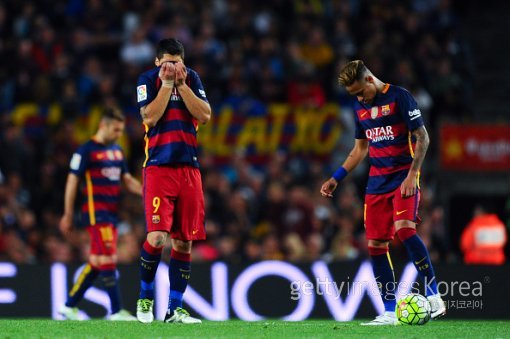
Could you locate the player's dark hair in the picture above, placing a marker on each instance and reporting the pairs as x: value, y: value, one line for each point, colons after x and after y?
x: 113, y: 114
x: 351, y: 72
x: 170, y: 46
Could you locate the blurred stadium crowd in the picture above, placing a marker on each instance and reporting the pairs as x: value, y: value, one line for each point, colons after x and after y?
x: 62, y: 59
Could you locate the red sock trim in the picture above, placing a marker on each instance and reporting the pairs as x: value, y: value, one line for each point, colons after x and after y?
x: 377, y: 250
x: 151, y: 250
x: 406, y: 233
x: 180, y: 256
x: 108, y: 267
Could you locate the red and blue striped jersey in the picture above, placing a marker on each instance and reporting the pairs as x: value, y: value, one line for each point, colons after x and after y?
x: 174, y: 138
x: 387, y: 125
x: 101, y: 166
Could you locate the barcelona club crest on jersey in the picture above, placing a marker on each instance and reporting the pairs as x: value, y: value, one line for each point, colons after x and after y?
x: 155, y: 218
x: 385, y: 110
x: 374, y: 112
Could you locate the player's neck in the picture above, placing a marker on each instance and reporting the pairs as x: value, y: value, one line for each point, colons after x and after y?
x: 379, y: 85
x: 99, y: 139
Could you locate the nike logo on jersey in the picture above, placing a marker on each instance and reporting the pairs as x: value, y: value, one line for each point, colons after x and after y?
x: 400, y: 212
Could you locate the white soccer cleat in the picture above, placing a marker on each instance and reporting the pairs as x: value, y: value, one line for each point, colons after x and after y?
x: 387, y: 318
x: 437, y: 306
x: 122, y: 315
x: 69, y: 313
x: 181, y: 316
x: 144, y: 312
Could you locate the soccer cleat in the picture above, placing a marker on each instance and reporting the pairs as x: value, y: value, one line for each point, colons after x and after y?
x: 181, y: 316
x: 122, y: 315
x: 387, y: 318
x: 437, y: 306
x: 69, y: 313
x: 144, y: 311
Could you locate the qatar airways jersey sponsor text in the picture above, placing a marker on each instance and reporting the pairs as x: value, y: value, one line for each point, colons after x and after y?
x: 377, y: 134
x: 112, y: 173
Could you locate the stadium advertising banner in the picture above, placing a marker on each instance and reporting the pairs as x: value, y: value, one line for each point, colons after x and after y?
x: 473, y: 147
x: 266, y: 289
x: 262, y: 131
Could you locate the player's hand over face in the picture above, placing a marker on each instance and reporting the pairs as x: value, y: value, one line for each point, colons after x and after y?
x: 167, y: 71
x: 329, y: 187
x: 408, y: 186
x: 180, y: 74
x: 66, y: 224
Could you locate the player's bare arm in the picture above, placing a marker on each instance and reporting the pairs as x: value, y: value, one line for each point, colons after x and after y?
x: 357, y: 154
x: 152, y: 112
x: 408, y: 187
x: 66, y: 222
x: 132, y: 184
x: 200, y: 109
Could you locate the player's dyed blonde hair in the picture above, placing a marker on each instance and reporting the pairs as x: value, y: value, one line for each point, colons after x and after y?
x: 351, y: 72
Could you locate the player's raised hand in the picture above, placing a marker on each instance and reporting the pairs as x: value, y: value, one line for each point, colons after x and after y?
x: 167, y: 74
x: 180, y: 73
x: 329, y: 187
x: 66, y: 224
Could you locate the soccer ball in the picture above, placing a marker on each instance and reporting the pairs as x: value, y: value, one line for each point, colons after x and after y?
x: 413, y: 309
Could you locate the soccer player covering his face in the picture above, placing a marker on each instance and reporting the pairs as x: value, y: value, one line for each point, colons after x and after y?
x: 172, y: 103
x: 390, y: 129
x: 100, y: 165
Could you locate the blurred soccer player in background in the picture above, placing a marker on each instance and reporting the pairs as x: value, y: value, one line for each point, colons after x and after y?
x: 484, y: 238
x: 172, y: 102
x: 100, y: 163
x: 389, y: 127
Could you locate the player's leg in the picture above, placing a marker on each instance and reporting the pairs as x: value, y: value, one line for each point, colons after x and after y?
x: 150, y: 257
x: 406, y: 217
x: 159, y: 218
x: 110, y: 282
x: 188, y: 226
x: 179, y: 273
x: 106, y: 257
x: 86, y: 278
x: 149, y: 260
x: 84, y: 281
x: 379, y: 230
x: 418, y: 253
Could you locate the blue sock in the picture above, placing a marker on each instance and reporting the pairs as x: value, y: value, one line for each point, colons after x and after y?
x: 179, y: 274
x: 109, y: 279
x: 85, y: 280
x: 420, y: 256
x: 384, y: 276
x: 149, y: 261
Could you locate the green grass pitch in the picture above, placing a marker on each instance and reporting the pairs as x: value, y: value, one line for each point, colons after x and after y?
x: 38, y: 328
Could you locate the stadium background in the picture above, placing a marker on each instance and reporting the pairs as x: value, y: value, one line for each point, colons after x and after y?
x: 280, y: 123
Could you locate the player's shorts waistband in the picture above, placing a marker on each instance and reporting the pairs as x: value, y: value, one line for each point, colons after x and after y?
x: 100, y: 224
x: 179, y: 165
